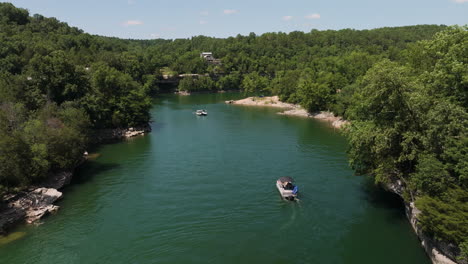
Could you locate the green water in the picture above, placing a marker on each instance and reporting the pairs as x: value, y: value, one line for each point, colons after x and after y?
x: 202, y: 190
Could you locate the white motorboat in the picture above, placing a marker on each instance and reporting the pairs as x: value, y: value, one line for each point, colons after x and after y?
x: 287, y: 188
x: 201, y: 112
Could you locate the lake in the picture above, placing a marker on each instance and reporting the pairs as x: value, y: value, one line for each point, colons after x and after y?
x: 202, y: 190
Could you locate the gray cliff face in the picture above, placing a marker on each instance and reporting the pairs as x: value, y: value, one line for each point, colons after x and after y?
x: 440, y: 252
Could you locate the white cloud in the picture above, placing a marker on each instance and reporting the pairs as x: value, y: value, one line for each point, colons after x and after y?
x: 313, y: 16
x: 203, y: 22
x: 287, y: 18
x: 461, y: 1
x: 155, y: 35
x: 133, y: 23
x: 230, y: 11
x: 204, y: 13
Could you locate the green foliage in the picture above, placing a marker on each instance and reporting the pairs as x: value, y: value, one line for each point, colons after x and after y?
x: 430, y: 176
x: 57, y: 78
x: 464, y: 251
x: 361, y: 137
x: 384, y: 94
x: 445, y: 134
x: 231, y: 81
x: 442, y: 62
x: 197, y: 84
x: 189, y: 62
x: 53, y: 138
x: 446, y: 216
x: 14, y: 154
x: 382, y: 107
x: 410, y: 123
x: 315, y: 92
x: 344, y: 99
x: 115, y: 99
x: 151, y: 83
x: 285, y: 85
x: 9, y: 14
x: 254, y: 83
x: 53, y: 78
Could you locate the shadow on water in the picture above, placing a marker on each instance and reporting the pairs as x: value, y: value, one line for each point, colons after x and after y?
x: 382, y: 199
x: 364, y: 232
x: 88, y: 170
x: 157, y: 126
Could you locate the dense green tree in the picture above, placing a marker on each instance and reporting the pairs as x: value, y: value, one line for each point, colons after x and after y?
x: 10, y: 14
x: 231, y: 81
x: 254, y: 83
x: 14, y: 155
x: 115, y: 99
x: 430, y: 176
x: 313, y: 91
x: 285, y: 85
x: 403, y: 129
x: 444, y: 216
x: 442, y: 61
x: 56, y: 77
x: 197, y: 84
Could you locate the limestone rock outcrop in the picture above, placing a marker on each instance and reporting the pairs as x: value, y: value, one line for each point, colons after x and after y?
x: 28, y: 206
x: 440, y: 252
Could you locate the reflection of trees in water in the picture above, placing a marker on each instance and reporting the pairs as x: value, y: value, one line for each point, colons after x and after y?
x: 91, y: 169
x: 111, y: 156
x: 379, y: 198
x: 315, y: 134
x: 381, y: 229
x: 93, y: 181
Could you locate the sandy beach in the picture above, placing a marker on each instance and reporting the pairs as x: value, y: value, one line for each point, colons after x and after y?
x: 291, y: 109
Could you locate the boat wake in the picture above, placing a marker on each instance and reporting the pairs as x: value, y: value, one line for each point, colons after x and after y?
x: 293, y: 217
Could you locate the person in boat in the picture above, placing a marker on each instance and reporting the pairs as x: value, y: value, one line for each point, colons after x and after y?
x: 288, y: 186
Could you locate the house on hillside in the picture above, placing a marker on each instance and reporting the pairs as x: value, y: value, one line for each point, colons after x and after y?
x: 208, y: 56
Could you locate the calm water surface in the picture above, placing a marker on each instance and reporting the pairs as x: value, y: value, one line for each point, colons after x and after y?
x: 202, y: 190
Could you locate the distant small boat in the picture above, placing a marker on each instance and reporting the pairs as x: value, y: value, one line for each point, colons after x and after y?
x: 287, y: 189
x: 201, y: 112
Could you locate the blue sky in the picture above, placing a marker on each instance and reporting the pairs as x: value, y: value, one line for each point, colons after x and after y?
x: 146, y: 19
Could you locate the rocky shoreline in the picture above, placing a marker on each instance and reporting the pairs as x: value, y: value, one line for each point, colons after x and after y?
x: 36, y: 201
x: 291, y: 109
x: 31, y: 204
x: 438, y: 251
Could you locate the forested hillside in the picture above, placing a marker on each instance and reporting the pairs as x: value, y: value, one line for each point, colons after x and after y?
x: 56, y: 83
x: 410, y: 124
x: 404, y: 89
